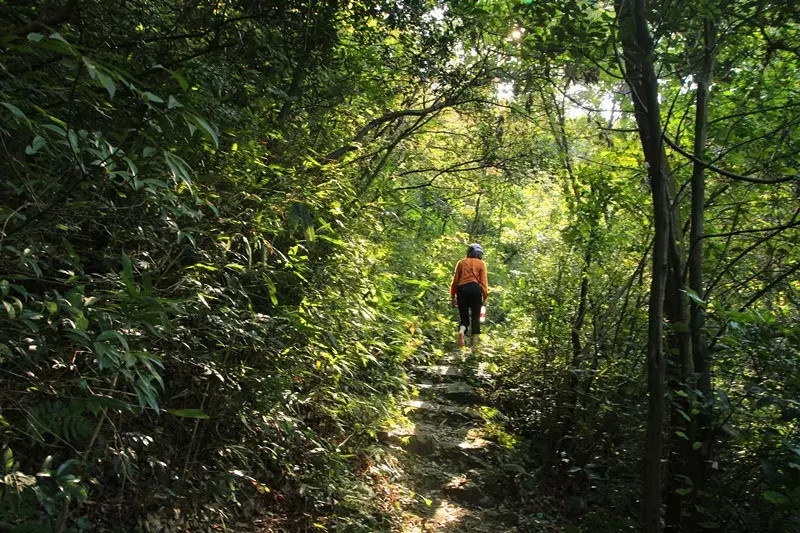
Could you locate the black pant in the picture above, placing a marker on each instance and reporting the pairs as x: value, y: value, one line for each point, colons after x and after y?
x: 470, y: 297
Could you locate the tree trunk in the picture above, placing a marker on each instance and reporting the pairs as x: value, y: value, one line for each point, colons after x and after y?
x: 318, y: 40
x: 474, y: 229
x: 640, y: 76
x: 679, y: 377
x: 293, y: 93
x: 703, y: 431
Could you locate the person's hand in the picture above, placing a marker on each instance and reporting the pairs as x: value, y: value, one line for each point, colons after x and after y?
x: 454, y: 301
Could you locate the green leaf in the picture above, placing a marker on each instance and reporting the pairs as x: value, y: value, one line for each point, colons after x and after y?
x: 97, y: 403
x: 173, y: 103
x: 188, y: 413
x: 78, y: 335
x: 37, y: 144
x: 147, y: 96
x: 775, y: 497
x: 203, y: 266
x: 695, y: 297
x: 697, y: 445
x: 58, y: 130
x: 73, y: 141
x: 273, y: 291
x: 203, y: 125
x: 113, y: 334
x: 19, y: 288
x: 684, y: 492
x: 8, y: 459
x: 81, y: 322
x: 180, y: 169
x: 337, y: 242
x: 682, y: 435
x: 17, y: 112
x: 106, y: 81
x: 180, y: 79
x: 127, y: 274
x: 66, y: 465
x: 710, y: 525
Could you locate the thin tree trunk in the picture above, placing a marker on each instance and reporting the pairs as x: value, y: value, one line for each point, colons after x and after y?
x: 641, y: 78
x: 572, y: 384
x: 679, y: 376
x: 473, y: 228
x: 703, y: 430
x: 293, y: 93
x: 580, y: 314
x: 317, y: 40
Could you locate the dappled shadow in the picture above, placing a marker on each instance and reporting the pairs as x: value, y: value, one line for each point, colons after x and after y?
x: 451, y: 462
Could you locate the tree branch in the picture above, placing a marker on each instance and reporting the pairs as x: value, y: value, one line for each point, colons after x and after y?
x: 439, y: 172
x: 727, y: 174
x: 388, y: 117
x: 786, y: 226
x: 50, y: 19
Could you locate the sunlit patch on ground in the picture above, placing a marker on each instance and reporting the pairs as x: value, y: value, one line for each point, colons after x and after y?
x: 446, y: 514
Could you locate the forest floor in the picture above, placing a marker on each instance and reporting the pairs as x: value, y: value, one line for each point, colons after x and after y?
x: 455, y: 467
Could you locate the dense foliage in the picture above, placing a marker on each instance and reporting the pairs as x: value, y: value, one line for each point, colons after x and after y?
x: 226, y: 228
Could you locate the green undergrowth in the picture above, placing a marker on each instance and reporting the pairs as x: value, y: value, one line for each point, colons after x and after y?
x: 272, y: 419
x: 560, y: 487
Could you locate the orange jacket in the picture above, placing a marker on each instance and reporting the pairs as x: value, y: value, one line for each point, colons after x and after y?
x: 470, y: 270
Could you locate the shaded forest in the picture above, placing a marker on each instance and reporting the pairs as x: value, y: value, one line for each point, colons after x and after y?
x: 228, y: 229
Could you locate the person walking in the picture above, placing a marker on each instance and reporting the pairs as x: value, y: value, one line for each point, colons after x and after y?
x: 469, y: 291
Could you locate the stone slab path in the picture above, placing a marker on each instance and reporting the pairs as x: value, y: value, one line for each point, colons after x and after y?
x: 460, y: 472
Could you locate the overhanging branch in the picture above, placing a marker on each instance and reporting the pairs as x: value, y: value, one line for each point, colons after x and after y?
x: 388, y: 117
x: 727, y: 174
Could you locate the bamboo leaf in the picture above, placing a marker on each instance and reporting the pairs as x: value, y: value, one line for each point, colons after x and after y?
x: 188, y: 413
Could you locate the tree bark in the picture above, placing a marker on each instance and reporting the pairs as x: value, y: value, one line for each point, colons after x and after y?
x: 703, y: 431
x: 640, y: 76
x: 681, y: 369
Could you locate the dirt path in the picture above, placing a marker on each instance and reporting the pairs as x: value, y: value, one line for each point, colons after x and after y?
x: 458, y: 471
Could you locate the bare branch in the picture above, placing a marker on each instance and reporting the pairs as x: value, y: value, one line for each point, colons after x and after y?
x: 727, y: 174
x: 388, y: 117
x: 452, y: 169
x: 792, y: 224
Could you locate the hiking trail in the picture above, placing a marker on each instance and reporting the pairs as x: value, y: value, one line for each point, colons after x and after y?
x: 456, y: 467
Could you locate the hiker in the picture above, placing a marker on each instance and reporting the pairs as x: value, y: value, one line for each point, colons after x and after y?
x: 469, y: 291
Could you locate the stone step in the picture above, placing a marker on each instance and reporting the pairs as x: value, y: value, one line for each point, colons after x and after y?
x: 454, y: 358
x: 439, y: 372
x: 420, y: 439
x: 457, y: 392
x: 465, y: 490
x: 462, y: 410
x: 462, y: 393
x: 436, y: 408
x: 425, y: 439
x: 420, y: 405
x: 467, y: 444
